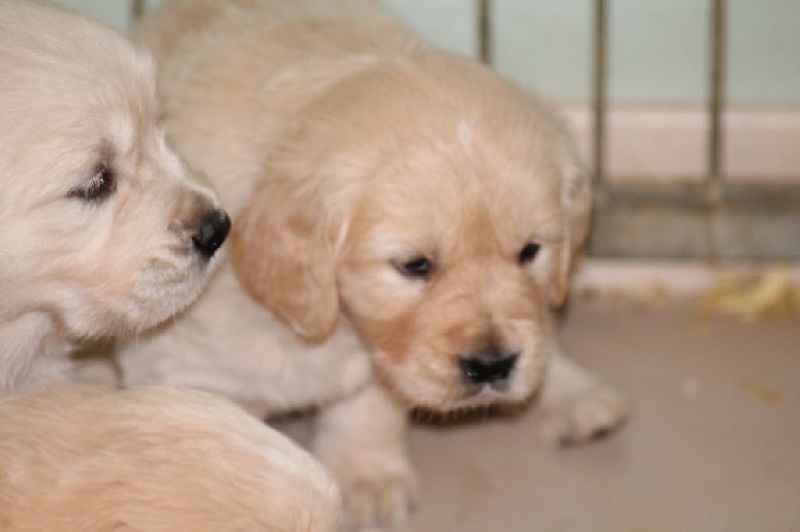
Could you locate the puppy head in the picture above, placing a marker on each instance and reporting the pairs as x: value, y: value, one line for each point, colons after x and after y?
x: 101, y: 226
x: 437, y: 206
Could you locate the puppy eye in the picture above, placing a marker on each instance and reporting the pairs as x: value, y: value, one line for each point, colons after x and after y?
x: 99, y: 187
x: 419, y: 267
x: 528, y: 252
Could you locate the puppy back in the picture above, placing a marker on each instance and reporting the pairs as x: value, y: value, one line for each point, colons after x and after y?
x: 152, y: 459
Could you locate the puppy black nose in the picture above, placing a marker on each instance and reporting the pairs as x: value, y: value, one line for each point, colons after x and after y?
x: 212, y: 232
x: 487, y: 366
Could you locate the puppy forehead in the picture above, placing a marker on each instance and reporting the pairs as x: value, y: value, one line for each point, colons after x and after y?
x: 81, y: 104
x: 440, y: 206
x: 79, y: 137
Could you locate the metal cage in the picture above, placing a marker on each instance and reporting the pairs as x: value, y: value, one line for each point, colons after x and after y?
x: 712, y: 220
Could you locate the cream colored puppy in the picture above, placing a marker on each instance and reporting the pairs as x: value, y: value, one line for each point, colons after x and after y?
x: 152, y: 459
x: 404, y: 220
x: 103, y: 232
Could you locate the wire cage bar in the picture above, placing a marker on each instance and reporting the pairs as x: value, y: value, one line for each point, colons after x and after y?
x: 713, y: 220
x: 137, y: 9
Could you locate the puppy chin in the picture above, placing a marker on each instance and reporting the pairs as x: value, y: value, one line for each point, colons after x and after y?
x: 155, y: 311
x: 160, y: 291
x: 163, y: 290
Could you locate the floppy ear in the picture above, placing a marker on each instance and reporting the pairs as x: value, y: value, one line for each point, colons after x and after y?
x: 576, y: 198
x: 284, y: 256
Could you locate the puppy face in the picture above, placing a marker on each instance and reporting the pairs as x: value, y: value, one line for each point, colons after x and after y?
x: 101, y: 227
x: 445, y: 290
x: 444, y: 216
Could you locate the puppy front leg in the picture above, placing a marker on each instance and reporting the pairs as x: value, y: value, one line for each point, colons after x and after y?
x: 576, y: 405
x: 363, y: 440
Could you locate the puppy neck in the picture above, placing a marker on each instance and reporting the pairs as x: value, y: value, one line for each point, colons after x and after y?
x: 28, y: 345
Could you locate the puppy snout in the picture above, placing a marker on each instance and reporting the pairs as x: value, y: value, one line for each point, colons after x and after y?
x: 487, y: 366
x: 212, y: 232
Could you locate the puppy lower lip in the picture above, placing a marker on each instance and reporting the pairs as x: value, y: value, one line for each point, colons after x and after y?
x: 497, y: 390
x: 498, y: 386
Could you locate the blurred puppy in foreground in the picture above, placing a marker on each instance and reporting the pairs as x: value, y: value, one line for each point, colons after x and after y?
x: 404, y: 219
x: 104, y: 232
x: 102, y: 228
x: 154, y: 459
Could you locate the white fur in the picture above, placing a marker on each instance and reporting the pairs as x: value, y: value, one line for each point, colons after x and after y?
x: 75, y: 97
x: 78, y: 101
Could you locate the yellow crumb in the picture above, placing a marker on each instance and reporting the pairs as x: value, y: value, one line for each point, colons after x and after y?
x: 771, y: 294
x: 765, y: 395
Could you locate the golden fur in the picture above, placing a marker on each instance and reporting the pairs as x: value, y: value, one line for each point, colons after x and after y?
x: 102, y: 232
x: 152, y: 459
x: 346, y: 149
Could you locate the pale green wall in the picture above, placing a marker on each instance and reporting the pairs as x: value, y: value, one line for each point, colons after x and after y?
x: 545, y: 44
x: 764, y: 49
x: 658, y: 48
x: 114, y: 12
x: 452, y: 24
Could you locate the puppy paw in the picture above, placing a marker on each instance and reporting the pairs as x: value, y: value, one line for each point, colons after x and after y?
x: 363, y: 441
x: 377, y: 498
x: 585, y: 415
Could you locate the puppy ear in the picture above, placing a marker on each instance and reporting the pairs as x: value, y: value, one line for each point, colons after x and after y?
x: 284, y: 257
x: 576, y: 198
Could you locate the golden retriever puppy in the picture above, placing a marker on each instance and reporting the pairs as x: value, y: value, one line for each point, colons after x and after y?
x: 403, y: 221
x: 152, y: 459
x: 102, y: 231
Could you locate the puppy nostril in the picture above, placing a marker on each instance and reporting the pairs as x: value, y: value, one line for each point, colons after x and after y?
x: 212, y: 232
x: 487, y: 367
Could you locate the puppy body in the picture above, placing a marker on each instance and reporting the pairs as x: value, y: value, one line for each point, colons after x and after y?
x: 97, y: 214
x: 154, y: 459
x: 103, y: 232
x: 403, y: 220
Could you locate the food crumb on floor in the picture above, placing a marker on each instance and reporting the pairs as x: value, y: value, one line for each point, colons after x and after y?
x: 765, y: 395
x: 770, y: 294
